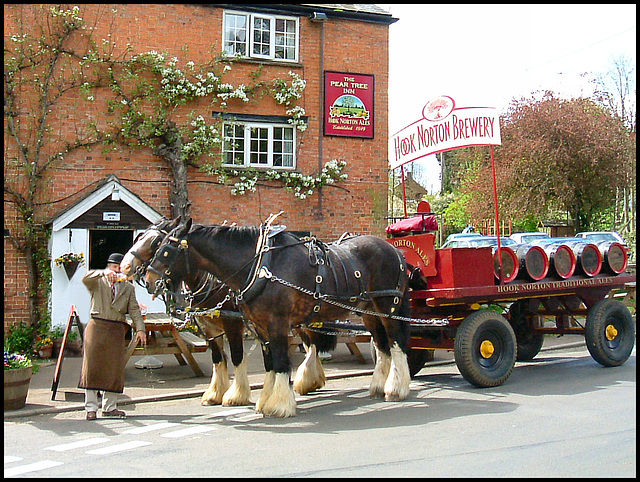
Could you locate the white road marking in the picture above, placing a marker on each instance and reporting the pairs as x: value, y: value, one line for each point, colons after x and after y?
x: 23, y: 469
x: 118, y: 448
x: 248, y: 418
x: 78, y: 444
x: 189, y: 431
x: 150, y: 428
x: 227, y: 413
x: 317, y: 403
x: 11, y: 458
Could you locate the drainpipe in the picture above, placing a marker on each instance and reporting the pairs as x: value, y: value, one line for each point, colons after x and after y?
x: 319, y: 17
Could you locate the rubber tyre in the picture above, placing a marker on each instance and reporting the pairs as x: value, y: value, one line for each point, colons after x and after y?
x: 610, y: 350
x: 481, y: 370
x: 529, y: 344
x: 417, y: 358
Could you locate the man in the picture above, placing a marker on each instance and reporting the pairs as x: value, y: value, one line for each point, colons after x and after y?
x: 103, y: 363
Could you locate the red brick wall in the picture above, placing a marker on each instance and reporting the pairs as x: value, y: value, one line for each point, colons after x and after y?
x: 357, y: 205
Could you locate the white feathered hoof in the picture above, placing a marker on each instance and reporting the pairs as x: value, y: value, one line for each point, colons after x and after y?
x: 310, y: 375
x: 219, y: 385
x: 380, y: 375
x: 240, y: 391
x: 267, y: 388
x: 281, y: 403
x: 396, y: 387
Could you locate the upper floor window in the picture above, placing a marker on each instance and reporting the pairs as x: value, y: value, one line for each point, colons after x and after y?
x: 261, y: 36
x: 259, y: 145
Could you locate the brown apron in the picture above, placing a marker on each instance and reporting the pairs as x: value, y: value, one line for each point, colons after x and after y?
x: 104, y: 352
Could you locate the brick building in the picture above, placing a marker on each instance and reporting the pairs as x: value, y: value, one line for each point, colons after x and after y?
x: 96, y: 202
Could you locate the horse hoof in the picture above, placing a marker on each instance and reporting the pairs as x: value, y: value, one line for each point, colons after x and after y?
x: 236, y: 402
x: 211, y: 399
x: 395, y: 396
x: 376, y: 393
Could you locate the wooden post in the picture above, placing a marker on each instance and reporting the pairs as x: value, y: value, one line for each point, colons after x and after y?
x: 495, y: 200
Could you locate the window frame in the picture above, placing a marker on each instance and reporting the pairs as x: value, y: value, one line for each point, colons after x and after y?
x: 249, y: 42
x: 248, y: 150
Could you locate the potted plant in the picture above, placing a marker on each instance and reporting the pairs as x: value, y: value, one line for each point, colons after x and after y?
x: 18, y: 369
x: 70, y: 262
x: 44, y: 346
x: 73, y: 346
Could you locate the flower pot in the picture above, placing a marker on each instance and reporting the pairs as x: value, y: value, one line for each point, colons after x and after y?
x: 16, y: 386
x: 70, y: 268
x: 45, y: 352
x: 73, y: 348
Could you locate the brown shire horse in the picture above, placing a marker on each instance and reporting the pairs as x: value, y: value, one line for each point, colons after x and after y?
x: 207, y: 292
x: 309, y: 281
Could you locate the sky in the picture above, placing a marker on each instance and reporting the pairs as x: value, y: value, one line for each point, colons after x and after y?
x: 485, y: 55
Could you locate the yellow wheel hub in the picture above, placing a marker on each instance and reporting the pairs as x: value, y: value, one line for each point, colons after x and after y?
x: 487, y: 349
x: 611, y: 332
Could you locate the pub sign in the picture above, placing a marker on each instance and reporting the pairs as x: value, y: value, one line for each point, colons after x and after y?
x: 348, y: 104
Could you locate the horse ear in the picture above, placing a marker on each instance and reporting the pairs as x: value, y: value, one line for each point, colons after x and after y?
x: 184, y: 229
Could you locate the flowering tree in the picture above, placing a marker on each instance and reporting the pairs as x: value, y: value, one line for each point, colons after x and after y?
x: 557, y: 156
x: 42, y: 71
x: 56, y: 72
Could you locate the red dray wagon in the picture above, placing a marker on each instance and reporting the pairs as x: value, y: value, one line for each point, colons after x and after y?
x: 458, y: 303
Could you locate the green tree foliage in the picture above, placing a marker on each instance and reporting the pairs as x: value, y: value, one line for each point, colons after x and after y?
x: 557, y: 156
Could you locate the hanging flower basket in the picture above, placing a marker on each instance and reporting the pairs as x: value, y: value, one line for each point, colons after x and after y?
x: 70, y: 268
x: 70, y: 263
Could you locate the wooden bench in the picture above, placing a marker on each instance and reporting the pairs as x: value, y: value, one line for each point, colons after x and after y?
x: 164, y: 338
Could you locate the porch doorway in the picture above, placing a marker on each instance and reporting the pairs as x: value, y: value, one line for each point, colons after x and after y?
x: 103, y: 242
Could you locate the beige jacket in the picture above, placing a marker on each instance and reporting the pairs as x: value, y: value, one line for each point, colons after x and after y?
x: 124, y: 302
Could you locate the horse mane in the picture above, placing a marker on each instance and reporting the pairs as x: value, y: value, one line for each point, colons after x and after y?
x: 226, y: 233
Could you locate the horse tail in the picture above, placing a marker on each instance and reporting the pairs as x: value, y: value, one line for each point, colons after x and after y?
x: 324, y: 342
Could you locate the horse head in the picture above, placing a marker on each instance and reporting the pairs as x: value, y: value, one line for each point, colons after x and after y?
x: 136, y: 260
x: 170, y: 263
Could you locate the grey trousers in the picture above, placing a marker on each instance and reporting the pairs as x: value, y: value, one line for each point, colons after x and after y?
x: 109, y: 401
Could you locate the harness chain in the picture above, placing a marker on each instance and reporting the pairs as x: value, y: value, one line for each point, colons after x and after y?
x: 264, y: 273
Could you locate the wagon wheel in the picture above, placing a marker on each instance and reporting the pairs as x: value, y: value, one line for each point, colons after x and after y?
x: 485, y: 349
x: 609, y: 333
x: 528, y: 342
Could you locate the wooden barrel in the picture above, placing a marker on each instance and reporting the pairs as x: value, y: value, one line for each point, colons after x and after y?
x: 510, y: 264
x: 16, y: 387
x: 614, y: 257
x: 588, y: 257
x: 533, y: 261
x: 562, y: 261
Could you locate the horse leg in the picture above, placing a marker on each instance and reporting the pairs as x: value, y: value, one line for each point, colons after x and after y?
x: 383, y: 356
x: 281, y: 402
x: 397, y: 384
x: 220, y: 377
x: 240, y: 391
x: 310, y: 374
x: 269, y: 377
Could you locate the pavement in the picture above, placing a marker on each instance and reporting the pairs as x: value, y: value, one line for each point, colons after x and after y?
x: 174, y: 381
